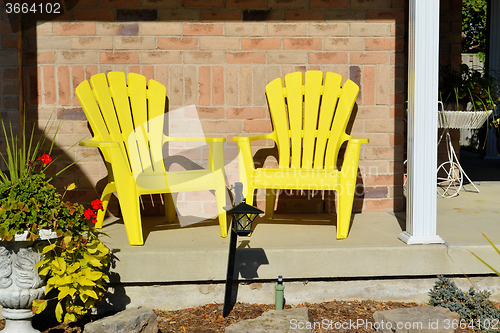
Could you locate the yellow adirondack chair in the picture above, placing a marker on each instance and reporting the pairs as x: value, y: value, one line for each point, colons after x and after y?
x: 309, y: 122
x: 127, y: 121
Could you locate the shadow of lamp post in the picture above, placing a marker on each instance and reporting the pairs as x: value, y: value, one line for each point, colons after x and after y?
x: 243, y: 216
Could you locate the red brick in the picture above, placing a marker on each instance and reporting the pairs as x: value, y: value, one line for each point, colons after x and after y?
x: 78, y: 76
x: 328, y: 57
x: 63, y: 85
x: 388, y: 44
x: 246, y: 113
x: 204, y: 3
x: 118, y: 57
x: 397, y: 140
x: 34, y: 85
x: 49, y: 84
x: 302, y: 43
x: 118, y: 3
x: 329, y: 4
x: 379, y: 179
x: 245, y: 3
x: 10, y: 73
x: 257, y: 126
x: 377, y: 192
x: 379, y: 152
x: 220, y: 15
x: 204, y: 85
x: 162, y: 75
x: 397, y: 16
x: 261, y: 43
x: 245, y: 57
x: 90, y: 70
x: 148, y: 72
x: 368, y: 85
x: 206, y: 29
x: 380, y: 126
x: 97, y: 14
x: 380, y: 205
x: 107, y: 29
x: 45, y: 57
x: 9, y: 43
x: 203, y: 57
x: 221, y: 126
x: 217, y: 85
x: 134, y: 69
x: 177, y: 43
x: 205, y: 112
x: 304, y: 15
x: 287, y: 3
x: 87, y: 3
x: 85, y: 29
x: 369, y: 58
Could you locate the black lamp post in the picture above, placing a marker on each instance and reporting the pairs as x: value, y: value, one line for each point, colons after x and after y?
x: 243, y: 216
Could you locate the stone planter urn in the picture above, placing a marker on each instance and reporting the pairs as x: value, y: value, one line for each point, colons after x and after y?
x: 20, y: 283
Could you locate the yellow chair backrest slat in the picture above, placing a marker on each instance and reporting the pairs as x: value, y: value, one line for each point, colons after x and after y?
x: 277, y: 103
x: 156, y: 103
x: 312, y: 98
x: 345, y: 105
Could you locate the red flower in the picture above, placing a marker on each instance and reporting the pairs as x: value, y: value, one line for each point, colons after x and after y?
x: 97, y: 204
x: 46, y: 159
x: 89, y: 214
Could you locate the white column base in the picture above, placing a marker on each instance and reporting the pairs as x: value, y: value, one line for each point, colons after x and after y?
x: 413, y: 240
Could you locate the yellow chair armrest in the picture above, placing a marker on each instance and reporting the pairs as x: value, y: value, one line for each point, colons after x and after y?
x: 99, y: 144
x: 359, y: 140
x: 191, y: 139
x: 255, y: 137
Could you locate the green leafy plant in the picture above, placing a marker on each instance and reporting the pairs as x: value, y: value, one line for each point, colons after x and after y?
x: 458, y: 88
x: 74, y: 268
x: 472, y: 306
x: 72, y: 264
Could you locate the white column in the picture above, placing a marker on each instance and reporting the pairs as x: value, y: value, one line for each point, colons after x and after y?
x: 423, y: 76
x: 494, y: 67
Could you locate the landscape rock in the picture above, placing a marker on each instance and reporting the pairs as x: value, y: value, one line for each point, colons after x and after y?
x: 421, y: 319
x: 138, y: 320
x: 275, y: 321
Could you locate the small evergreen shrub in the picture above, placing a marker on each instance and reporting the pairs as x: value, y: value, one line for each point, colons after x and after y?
x: 474, y: 307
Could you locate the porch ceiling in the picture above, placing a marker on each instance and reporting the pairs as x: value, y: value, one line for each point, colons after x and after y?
x: 303, y: 246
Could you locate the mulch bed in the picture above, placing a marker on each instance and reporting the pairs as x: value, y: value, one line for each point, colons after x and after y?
x: 208, y: 318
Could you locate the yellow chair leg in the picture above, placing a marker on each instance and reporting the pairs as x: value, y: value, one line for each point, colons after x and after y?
x: 170, y: 211
x: 105, y: 197
x: 344, y: 208
x: 131, y: 214
x: 220, y: 198
x: 270, y: 201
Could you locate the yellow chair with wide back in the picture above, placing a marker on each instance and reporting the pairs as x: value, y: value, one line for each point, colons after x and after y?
x: 127, y: 121
x: 309, y: 121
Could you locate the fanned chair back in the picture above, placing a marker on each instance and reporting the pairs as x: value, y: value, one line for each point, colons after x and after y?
x: 310, y: 119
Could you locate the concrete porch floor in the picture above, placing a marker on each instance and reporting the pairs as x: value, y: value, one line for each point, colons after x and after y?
x: 186, y: 267
x: 303, y: 246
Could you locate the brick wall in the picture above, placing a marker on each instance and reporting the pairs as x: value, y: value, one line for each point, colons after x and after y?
x: 219, y: 55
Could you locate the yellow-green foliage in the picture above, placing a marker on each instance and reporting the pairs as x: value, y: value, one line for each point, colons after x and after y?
x: 74, y: 268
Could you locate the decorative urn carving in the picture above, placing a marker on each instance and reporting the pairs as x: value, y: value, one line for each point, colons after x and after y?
x: 20, y: 283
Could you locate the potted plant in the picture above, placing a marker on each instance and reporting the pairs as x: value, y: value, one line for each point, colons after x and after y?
x: 44, y: 240
x: 463, y: 92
